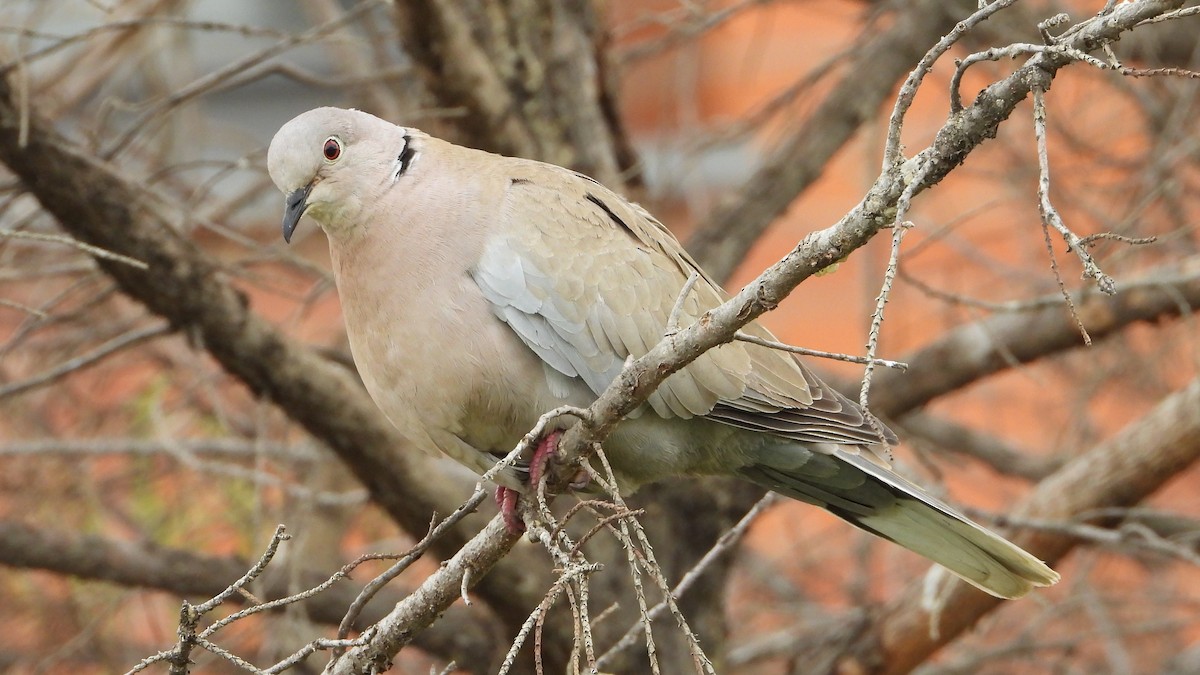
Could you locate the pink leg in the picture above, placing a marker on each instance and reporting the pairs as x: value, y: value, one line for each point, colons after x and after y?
x: 541, y: 457
x: 506, y: 499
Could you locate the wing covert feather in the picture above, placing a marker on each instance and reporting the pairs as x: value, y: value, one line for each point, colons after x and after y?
x: 587, y: 279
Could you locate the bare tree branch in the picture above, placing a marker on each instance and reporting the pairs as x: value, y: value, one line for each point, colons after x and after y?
x: 113, y: 346
x: 1118, y: 473
x: 424, y: 605
x: 954, y: 438
x: 520, y: 101
x: 976, y: 350
x: 882, y: 59
x: 460, y: 636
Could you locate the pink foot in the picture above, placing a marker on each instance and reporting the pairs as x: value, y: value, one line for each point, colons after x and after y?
x: 541, y: 457
x: 506, y: 499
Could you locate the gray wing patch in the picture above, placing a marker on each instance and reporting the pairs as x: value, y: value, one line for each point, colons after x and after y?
x: 521, y: 297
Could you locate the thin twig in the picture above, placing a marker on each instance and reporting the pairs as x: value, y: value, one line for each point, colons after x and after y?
x: 213, y: 648
x: 908, y: 91
x: 1050, y: 218
x: 1013, y: 51
x: 412, y: 555
x: 69, y: 366
x: 702, y: 662
x: 218, y: 77
x: 227, y: 447
x: 95, y: 251
x: 763, y: 342
x: 551, y: 596
x: 260, y: 607
x: 683, y: 24
x: 885, y: 291
x: 899, y: 227
x: 32, y: 311
x: 253, y: 573
x: 1133, y: 241
x: 1134, y: 535
x: 673, y: 319
x: 1173, y: 15
x: 190, y: 615
x: 317, y: 645
x: 63, y: 41
x: 723, y: 545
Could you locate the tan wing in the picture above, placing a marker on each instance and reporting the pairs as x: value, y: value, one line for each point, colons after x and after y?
x: 586, y: 279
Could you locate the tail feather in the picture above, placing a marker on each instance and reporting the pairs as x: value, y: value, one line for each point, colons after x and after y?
x: 885, y: 504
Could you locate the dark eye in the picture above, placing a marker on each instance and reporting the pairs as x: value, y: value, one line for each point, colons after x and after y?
x: 332, y: 149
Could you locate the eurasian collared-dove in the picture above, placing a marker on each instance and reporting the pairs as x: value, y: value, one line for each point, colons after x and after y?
x: 481, y: 291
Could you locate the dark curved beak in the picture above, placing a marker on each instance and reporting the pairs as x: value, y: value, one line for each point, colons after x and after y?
x: 295, y: 204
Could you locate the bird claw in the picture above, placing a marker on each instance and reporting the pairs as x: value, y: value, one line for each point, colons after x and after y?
x: 540, y: 461
x: 506, y: 498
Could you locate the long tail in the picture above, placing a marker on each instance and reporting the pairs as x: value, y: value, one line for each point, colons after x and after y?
x: 882, y: 503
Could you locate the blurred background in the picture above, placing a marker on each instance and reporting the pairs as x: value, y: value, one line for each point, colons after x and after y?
x: 143, y: 462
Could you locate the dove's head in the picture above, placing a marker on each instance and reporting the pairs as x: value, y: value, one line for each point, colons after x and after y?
x: 330, y: 162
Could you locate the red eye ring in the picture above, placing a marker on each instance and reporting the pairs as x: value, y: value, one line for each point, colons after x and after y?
x: 332, y: 149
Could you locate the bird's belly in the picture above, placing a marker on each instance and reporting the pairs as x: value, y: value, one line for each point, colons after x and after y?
x: 648, y: 448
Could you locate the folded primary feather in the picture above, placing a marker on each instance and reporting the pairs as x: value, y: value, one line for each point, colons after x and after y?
x: 480, y: 291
